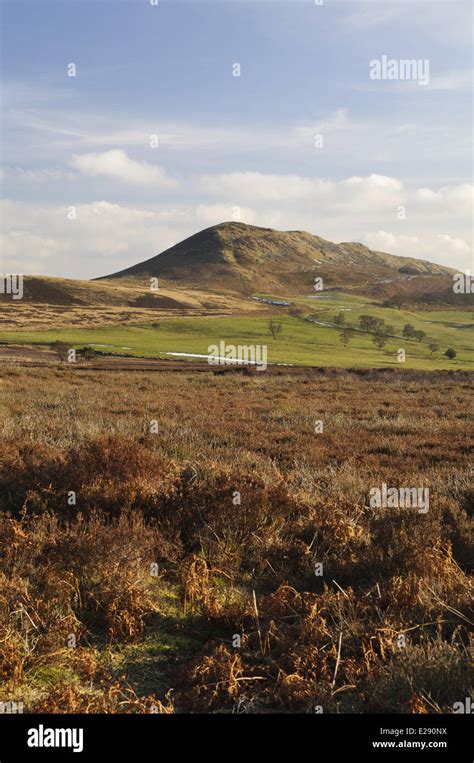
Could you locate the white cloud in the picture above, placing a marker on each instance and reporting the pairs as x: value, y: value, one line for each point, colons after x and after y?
x: 116, y: 164
x: 55, y: 244
x: 375, y: 181
x: 261, y: 186
x: 258, y: 186
x: 456, y: 244
x: 16, y: 243
x: 440, y: 248
x: 459, y: 197
x: 106, y: 237
x: 391, y: 242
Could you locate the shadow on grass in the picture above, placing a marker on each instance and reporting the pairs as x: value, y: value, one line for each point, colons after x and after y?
x: 154, y: 665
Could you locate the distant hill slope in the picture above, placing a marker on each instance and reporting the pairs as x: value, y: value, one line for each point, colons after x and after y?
x: 246, y: 259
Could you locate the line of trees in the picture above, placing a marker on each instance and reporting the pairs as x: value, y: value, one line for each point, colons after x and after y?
x: 381, y: 332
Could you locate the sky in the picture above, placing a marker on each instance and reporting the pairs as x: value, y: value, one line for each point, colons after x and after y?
x: 128, y: 125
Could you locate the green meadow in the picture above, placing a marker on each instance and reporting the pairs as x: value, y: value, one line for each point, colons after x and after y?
x: 300, y: 341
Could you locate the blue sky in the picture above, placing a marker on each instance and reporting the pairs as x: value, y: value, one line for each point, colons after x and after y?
x: 393, y: 167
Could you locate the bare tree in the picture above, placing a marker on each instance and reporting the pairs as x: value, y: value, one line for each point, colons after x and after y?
x: 346, y: 335
x: 61, y: 349
x: 274, y: 328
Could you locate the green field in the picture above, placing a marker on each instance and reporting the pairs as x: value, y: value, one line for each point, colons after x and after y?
x: 300, y: 341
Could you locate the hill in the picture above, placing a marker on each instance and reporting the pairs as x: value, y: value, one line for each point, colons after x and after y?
x: 246, y: 259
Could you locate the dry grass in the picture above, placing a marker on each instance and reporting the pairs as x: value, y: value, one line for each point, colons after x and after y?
x: 62, y: 303
x: 158, y: 565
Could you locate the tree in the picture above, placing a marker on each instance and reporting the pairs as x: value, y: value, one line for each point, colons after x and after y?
x: 346, y: 335
x: 450, y: 353
x: 420, y: 335
x: 377, y: 324
x: 398, y: 301
x: 365, y: 322
x: 274, y: 327
x: 408, y: 330
x: 379, y: 339
x: 381, y: 332
x: 61, y: 349
x: 433, y: 347
x: 340, y: 319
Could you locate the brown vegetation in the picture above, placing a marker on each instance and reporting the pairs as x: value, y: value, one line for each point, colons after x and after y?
x: 209, y: 525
